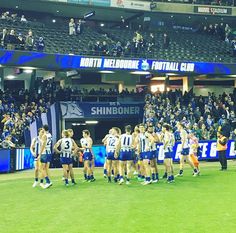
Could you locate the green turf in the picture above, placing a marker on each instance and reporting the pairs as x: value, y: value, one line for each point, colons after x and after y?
x: 201, y: 204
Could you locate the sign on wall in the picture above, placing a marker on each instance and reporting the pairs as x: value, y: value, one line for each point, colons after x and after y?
x: 62, y: 61
x: 91, y: 2
x: 212, y: 10
x: 72, y: 110
x: 136, y: 5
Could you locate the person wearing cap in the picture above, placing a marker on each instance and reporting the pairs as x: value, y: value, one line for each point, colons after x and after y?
x: 221, y: 147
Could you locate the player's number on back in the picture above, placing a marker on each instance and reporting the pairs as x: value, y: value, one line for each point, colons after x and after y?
x: 49, y: 142
x: 67, y: 145
x: 112, y: 142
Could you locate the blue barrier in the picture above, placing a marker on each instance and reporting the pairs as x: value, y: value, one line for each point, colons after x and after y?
x: 22, y: 159
x: 208, y: 151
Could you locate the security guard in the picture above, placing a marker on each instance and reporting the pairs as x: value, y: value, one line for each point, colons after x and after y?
x: 221, y: 148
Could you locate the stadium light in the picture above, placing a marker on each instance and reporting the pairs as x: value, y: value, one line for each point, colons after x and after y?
x: 54, y: 21
x: 91, y: 122
x: 155, y: 88
x: 28, y: 71
x: 102, y: 24
x: 140, y: 72
x: 10, y: 77
x: 107, y: 72
x: 77, y: 124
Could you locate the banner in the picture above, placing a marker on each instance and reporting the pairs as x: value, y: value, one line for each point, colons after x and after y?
x: 91, y: 2
x: 65, y: 62
x: 24, y: 159
x: 72, y: 110
x: 207, y: 148
x: 208, y: 152
x: 212, y: 10
x: 135, y: 5
x: 4, y: 160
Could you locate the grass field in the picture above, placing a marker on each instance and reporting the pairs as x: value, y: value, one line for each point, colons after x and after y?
x: 192, y: 204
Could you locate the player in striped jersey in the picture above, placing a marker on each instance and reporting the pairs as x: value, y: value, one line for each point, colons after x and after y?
x: 111, y: 143
x: 125, y: 148
x: 145, y: 142
x: 67, y: 146
x: 104, y: 141
x: 34, y: 148
x: 43, y: 157
x: 185, y: 149
x: 137, y: 166
x: 48, y: 147
x: 168, y: 144
x: 86, y: 144
x: 153, y: 162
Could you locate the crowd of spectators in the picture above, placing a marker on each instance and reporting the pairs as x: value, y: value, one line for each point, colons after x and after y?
x: 12, y: 40
x: 139, y: 45
x: 203, y: 115
x: 75, y: 27
x: 17, y: 111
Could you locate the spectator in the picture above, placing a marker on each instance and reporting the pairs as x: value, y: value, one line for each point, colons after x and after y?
x: 40, y: 45
x: 97, y: 48
x: 72, y: 27
x: 117, y: 50
x: 7, y: 143
x: 21, y: 42
x: 3, y: 37
x: 23, y: 19
x: 29, y: 41
x: 11, y: 40
x: 79, y: 27
x: 151, y: 43
x: 104, y: 48
x: 166, y: 41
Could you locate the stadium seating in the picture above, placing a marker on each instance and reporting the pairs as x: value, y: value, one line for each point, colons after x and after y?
x: 184, y: 45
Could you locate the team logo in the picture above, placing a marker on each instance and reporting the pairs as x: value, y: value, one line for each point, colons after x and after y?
x: 145, y: 65
x: 71, y: 110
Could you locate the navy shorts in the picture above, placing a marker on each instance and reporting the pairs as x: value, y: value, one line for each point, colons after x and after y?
x: 49, y: 158
x: 126, y: 155
x: 146, y: 155
x: 154, y: 154
x: 44, y: 158
x: 111, y: 156
x: 168, y: 155
x: 64, y: 160
x: 88, y: 156
x: 185, y: 151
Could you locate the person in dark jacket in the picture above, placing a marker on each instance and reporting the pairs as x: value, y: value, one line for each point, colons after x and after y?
x: 40, y: 45
x: 20, y: 42
x: 11, y: 40
x: 221, y: 148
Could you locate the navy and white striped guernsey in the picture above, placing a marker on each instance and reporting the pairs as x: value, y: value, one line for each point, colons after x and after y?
x: 144, y: 143
x: 126, y: 142
x: 111, y: 144
x: 49, y: 144
x: 84, y: 143
x: 66, y: 148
